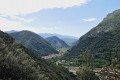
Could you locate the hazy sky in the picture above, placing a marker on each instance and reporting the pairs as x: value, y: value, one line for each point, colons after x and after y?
x: 66, y: 17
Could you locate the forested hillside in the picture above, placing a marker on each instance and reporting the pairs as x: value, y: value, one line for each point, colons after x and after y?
x: 34, y: 42
x: 103, y: 39
x: 101, y: 44
x: 18, y: 63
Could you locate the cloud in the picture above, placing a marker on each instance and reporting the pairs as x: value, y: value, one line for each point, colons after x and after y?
x: 6, y: 25
x: 21, y: 19
x: 23, y: 7
x: 17, y: 18
x: 89, y: 19
x: 44, y: 28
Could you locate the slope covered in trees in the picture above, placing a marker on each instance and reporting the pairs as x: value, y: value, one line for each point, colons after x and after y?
x: 101, y: 40
x: 56, y: 42
x: 34, y: 42
x: 18, y: 63
x: 102, y: 43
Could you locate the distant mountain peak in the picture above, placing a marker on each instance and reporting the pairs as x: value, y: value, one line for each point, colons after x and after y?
x: 56, y: 42
x: 70, y: 40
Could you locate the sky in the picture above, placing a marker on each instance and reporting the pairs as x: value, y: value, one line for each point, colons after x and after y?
x: 65, y: 17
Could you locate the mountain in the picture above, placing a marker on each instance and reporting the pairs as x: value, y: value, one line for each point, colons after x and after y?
x: 56, y: 42
x: 104, y: 38
x: 70, y: 40
x: 18, y: 63
x: 12, y: 31
x: 34, y: 42
x: 67, y: 39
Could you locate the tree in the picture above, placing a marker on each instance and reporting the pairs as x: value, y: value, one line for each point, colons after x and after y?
x: 86, y: 69
x: 114, y: 66
x: 114, y: 63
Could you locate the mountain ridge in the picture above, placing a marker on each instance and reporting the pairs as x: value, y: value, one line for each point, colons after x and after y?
x: 70, y: 40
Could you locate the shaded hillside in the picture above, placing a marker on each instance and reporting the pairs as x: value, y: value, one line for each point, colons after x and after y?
x: 101, y: 39
x: 102, y: 43
x: 56, y: 42
x: 18, y: 63
x: 34, y: 42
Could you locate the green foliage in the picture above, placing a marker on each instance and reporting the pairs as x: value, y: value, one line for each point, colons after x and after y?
x: 34, y: 42
x: 86, y: 72
x: 56, y: 42
x: 18, y: 63
x: 104, y: 47
x: 102, y: 43
x: 100, y: 63
x: 115, y: 64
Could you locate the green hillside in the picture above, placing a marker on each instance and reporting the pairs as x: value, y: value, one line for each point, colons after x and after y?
x: 56, y: 42
x: 18, y: 63
x: 103, y: 39
x: 34, y: 42
x: 108, y: 42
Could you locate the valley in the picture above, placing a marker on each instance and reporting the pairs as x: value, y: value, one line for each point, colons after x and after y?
x: 59, y: 40
x: 102, y: 44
